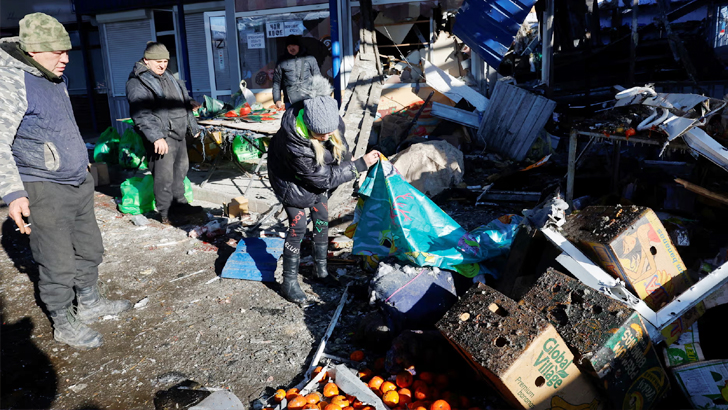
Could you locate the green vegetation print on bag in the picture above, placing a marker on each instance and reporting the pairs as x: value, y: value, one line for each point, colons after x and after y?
x: 137, y: 195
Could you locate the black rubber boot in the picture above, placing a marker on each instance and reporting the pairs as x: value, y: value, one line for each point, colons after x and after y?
x: 290, y: 288
x: 320, y: 253
x: 92, y: 305
x: 69, y: 330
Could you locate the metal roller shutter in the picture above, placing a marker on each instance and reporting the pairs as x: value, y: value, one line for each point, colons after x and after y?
x: 125, y: 41
x: 197, y: 51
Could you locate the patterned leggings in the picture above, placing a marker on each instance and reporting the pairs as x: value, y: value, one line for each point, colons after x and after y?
x: 297, y: 225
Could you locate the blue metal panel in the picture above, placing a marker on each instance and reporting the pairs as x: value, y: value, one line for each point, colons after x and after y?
x: 489, y: 27
x: 254, y: 259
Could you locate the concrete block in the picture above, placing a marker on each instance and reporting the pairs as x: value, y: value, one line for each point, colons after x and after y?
x: 632, y: 244
x: 608, y: 340
x: 518, y: 351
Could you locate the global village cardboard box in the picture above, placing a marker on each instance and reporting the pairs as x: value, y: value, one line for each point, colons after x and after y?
x: 704, y: 383
x: 517, y: 351
x: 632, y: 244
x: 685, y: 350
x: 608, y: 339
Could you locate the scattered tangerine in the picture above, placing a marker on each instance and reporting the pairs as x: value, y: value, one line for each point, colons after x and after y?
x: 391, y: 398
x: 318, y: 370
x: 279, y: 395
x: 348, y: 408
x: 375, y: 383
x: 405, y: 396
x: 440, y: 405
x: 310, y: 406
x: 340, y: 400
x: 418, y: 405
x: 357, y: 405
x: 357, y: 356
x: 366, y: 374
x: 314, y: 397
x: 416, y: 384
x: 291, y: 393
x: 427, y: 377
x: 331, y: 390
x: 422, y: 393
x: 297, y: 402
x: 332, y: 406
x: 322, y: 404
x: 404, y: 379
x: 387, y: 386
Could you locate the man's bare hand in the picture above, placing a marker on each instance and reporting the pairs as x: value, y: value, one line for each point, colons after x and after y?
x: 18, y: 209
x: 371, y: 157
x: 161, y: 147
x: 279, y: 104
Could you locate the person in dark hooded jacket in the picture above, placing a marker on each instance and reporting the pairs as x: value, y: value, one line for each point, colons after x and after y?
x: 162, y: 112
x: 293, y: 73
x: 307, y: 157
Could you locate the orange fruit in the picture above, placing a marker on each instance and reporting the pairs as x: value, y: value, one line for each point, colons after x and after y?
x: 441, y: 381
x: 416, y: 384
x: 314, y: 397
x: 331, y: 390
x: 317, y: 371
x: 322, y: 404
x: 404, y: 379
x: 357, y: 356
x: 375, y: 383
x: 379, y: 364
x: 340, y: 401
x: 348, y: 408
x: 297, y: 402
x: 357, y: 405
x: 439, y: 405
x: 427, y: 377
x: 279, y: 396
x: 367, y: 408
x: 387, y: 386
x: 391, y: 398
x: 422, y: 393
x: 310, y: 406
x: 365, y: 374
x: 291, y: 393
x: 332, y: 406
x: 405, y: 396
x: 418, y: 405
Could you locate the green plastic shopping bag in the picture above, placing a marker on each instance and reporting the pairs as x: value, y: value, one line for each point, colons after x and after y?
x: 137, y: 195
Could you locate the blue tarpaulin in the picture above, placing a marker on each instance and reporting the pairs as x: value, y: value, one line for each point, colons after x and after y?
x: 254, y: 259
x: 489, y: 27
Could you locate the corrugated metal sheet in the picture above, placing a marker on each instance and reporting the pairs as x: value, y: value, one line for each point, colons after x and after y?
x: 513, y: 120
x: 490, y: 26
x: 197, y: 52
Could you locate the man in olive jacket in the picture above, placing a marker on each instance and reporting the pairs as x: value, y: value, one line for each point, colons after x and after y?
x: 44, y: 177
x: 162, y: 112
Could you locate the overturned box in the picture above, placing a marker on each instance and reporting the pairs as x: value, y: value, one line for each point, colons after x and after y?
x: 632, y: 244
x: 608, y: 339
x: 518, y: 351
x: 704, y: 383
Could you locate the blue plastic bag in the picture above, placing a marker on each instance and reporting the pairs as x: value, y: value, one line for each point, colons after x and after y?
x: 392, y: 218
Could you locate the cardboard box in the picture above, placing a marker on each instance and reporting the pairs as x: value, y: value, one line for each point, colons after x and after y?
x: 704, y: 383
x: 518, y: 351
x: 237, y: 207
x: 632, y: 244
x: 100, y: 173
x: 608, y: 338
x: 685, y: 350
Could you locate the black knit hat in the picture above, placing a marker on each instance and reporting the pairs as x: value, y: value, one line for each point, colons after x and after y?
x: 293, y: 39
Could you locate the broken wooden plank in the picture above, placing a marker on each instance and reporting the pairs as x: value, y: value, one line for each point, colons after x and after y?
x: 452, y: 87
x: 467, y: 118
x: 702, y: 191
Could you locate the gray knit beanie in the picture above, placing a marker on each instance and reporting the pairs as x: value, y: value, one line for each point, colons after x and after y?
x: 156, y: 51
x: 41, y: 32
x: 321, y: 114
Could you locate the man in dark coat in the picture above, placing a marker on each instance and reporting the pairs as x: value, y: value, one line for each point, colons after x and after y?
x: 307, y: 157
x: 162, y: 112
x: 44, y: 177
x: 293, y: 72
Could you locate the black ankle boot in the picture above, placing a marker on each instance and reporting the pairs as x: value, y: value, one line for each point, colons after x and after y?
x: 320, y: 253
x: 290, y: 289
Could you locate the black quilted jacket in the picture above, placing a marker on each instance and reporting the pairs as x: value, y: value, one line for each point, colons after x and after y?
x: 296, y: 178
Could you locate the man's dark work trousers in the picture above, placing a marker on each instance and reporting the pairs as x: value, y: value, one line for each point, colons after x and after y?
x: 169, y: 172
x: 65, y: 239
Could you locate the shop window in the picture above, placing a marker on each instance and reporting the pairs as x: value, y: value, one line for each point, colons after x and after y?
x: 721, y: 37
x: 262, y: 40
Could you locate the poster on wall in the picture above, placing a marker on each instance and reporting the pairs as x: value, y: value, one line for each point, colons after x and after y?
x: 275, y: 29
x: 256, y: 40
x: 293, y: 27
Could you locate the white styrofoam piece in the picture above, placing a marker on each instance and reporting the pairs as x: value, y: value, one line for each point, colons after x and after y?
x: 452, y: 87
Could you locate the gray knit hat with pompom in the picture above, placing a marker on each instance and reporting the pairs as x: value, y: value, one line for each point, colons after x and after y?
x: 320, y: 111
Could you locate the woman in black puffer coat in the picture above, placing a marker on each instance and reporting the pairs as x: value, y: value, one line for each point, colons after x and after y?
x: 307, y: 157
